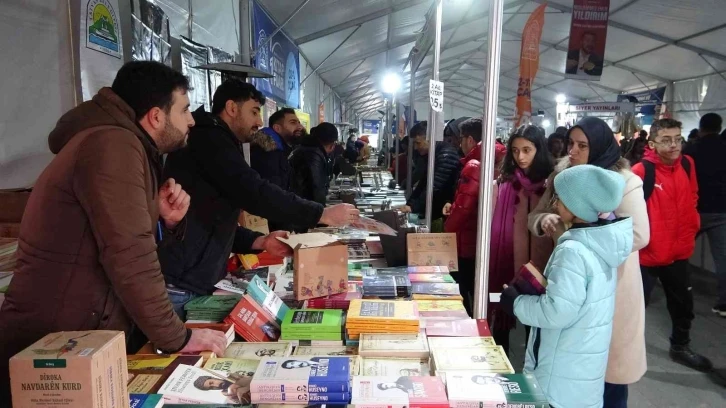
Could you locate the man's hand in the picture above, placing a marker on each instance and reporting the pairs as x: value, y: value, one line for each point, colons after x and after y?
x: 549, y: 224
x: 447, y: 209
x: 173, y: 203
x: 404, y: 209
x: 206, y: 340
x: 272, y: 245
x: 339, y: 215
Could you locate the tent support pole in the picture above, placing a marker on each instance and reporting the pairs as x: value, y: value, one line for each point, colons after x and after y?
x: 411, y: 110
x: 435, y: 128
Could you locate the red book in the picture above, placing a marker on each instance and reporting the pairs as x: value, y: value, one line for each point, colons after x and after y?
x: 458, y: 328
x: 251, y: 322
x: 529, y: 281
x: 339, y: 301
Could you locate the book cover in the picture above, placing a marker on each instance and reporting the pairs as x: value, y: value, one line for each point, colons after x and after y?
x: 146, y: 401
x: 316, y: 343
x: 398, y: 392
x: 265, y: 297
x: 159, y: 362
x: 428, y: 269
x: 252, y: 323
x: 426, y: 296
x: 325, y: 351
x: 258, y: 350
x: 472, y: 389
x: 398, y: 345
x: 439, y: 305
x: 383, y: 312
x: 192, y: 385
x: 431, y: 278
x: 313, y: 321
x: 212, y: 303
x: 529, y: 281
x: 489, y: 359
x: 460, y: 342
x: 386, y: 285
x: 340, y: 301
x: 432, y: 249
x: 301, y: 398
x: 287, y: 336
x: 302, y: 374
x: 232, y: 366
x: 407, y: 367
x: 458, y: 328
x: 435, y: 288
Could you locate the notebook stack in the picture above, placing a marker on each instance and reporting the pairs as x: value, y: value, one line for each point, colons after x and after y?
x: 210, y: 309
x: 313, y: 324
x: 301, y: 380
x: 388, y: 282
x: 381, y: 316
x: 473, y: 389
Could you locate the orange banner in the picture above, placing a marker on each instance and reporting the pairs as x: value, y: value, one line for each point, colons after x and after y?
x: 529, y: 64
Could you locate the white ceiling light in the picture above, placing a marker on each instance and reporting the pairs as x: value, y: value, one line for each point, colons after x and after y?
x: 391, y: 83
x: 561, y: 98
x: 546, y: 123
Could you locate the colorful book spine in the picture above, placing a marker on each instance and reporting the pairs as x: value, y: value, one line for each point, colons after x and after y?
x: 332, y: 398
x: 299, y: 386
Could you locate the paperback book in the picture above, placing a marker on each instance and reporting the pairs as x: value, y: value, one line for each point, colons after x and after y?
x: 340, y: 301
x: 265, y: 297
x: 435, y: 288
x: 193, y: 385
x: 325, y: 351
x: 304, y: 398
x: 232, y: 366
x: 431, y: 278
x: 313, y: 324
x: 441, y: 310
x: 148, y: 372
x: 258, y: 350
x: 529, y: 281
x: 399, y: 345
x: 398, y: 392
x: 386, y: 285
x: 300, y: 374
x: 458, y: 328
x: 211, y: 308
x: 253, y: 323
x: 460, y: 342
x: 407, y: 367
x: 428, y: 269
x: 473, y: 389
x: 488, y: 359
x: 386, y: 312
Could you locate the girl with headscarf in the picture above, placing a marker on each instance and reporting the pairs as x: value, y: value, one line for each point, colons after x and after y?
x: 591, y: 141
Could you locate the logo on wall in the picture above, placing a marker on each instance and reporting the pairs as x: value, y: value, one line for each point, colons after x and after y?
x: 103, y: 33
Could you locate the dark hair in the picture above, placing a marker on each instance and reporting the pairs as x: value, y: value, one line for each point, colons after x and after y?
x: 643, y: 134
x: 542, y: 164
x: 419, y: 129
x: 561, y: 130
x: 471, y: 127
x: 710, y: 122
x: 144, y: 85
x: 234, y: 90
x: 693, y: 135
x: 552, y: 138
x: 663, y: 124
x: 325, y: 133
x: 279, y: 116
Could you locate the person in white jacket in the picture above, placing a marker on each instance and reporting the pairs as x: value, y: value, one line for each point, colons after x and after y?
x: 591, y: 141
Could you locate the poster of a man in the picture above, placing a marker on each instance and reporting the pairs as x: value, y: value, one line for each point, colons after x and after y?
x: 584, y: 60
x: 588, y: 36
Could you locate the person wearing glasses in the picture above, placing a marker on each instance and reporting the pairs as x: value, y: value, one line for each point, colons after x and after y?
x: 671, y: 191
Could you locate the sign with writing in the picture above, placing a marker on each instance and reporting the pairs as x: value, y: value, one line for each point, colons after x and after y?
x: 279, y: 57
x: 436, y: 95
x: 588, y: 34
x: 646, y: 102
x: 624, y: 107
x: 370, y: 126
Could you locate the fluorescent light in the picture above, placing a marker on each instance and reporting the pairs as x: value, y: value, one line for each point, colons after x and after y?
x: 391, y: 83
x: 546, y: 123
x: 561, y: 98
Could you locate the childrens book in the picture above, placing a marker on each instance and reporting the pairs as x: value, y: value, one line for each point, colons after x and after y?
x: 529, y: 281
x: 398, y: 392
x: 265, y: 297
x: 385, y: 312
x: 146, y: 401
x: 193, y: 385
x: 407, y: 367
x: 398, y: 345
x: 473, y: 389
x: 301, y: 374
x: 489, y: 359
x: 325, y: 351
x: 258, y: 350
x: 458, y: 328
x: 228, y: 366
x: 252, y: 323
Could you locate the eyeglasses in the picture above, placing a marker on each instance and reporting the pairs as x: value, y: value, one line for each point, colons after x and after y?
x: 667, y: 141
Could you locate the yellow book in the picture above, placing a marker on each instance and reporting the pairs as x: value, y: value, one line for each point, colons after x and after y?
x: 399, y: 367
x: 382, y: 312
x: 439, y: 305
x: 228, y: 366
x: 487, y: 359
x: 425, y: 296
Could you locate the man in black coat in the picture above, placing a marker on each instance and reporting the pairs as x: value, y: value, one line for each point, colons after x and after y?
x: 214, y: 172
x: 583, y: 60
x: 310, y: 163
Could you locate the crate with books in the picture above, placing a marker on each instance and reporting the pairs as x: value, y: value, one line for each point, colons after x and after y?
x: 473, y: 389
x: 487, y: 359
x: 258, y: 350
x: 211, y: 309
x: 398, y: 392
x: 299, y: 379
x: 380, y: 366
x: 252, y: 322
x: 381, y: 316
x: 313, y: 324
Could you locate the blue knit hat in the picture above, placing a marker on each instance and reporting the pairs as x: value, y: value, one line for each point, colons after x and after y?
x: 588, y: 190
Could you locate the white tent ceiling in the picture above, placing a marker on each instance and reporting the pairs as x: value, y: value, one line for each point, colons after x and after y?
x: 650, y: 43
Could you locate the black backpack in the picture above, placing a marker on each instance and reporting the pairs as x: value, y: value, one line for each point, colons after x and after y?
x: 649, y: 177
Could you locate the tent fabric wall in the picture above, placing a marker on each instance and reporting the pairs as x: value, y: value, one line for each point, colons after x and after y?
x: 38, y: 85
x: 695, y: 98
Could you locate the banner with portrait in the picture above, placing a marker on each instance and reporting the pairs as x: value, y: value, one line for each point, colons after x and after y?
x: 588, y: 36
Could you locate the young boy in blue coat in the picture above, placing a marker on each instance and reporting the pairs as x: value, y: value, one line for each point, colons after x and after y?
x: 572, y: 322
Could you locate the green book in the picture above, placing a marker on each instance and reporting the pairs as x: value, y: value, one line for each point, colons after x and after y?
x: 267, y: 299
x: 312, y: 336
x: 213, y: 303
x: 313, y: 321
x: 475, y: 388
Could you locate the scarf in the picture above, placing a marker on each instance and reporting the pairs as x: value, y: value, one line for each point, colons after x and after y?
x: 501, y: 259
x: 604, y: 149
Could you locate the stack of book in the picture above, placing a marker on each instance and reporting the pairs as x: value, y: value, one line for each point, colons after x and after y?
x: 234, y: 367
x: 301, y: 380
x: 483, y: 357
x: 428, y: 269
x: 399, y: 391
x: 381, y: 316
x: 472, y: 389
x: 266, y: 298
x: 252, y: 322
x: 386, y: 286
x: 148, y: 372
x: 399, y: 345
x: 338, y: 301
x: 434, y: 289
x: 313, y: 324
x: 210, y: 309
x: 8, y: 258
x: 227, y: 329
x: 458, y: 328
x: 436, y: 310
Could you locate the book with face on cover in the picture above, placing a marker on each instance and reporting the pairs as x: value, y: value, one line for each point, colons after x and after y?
x: 193, y: 385
x: 487, y: 359
x: 398, y: 392
x: 473, y: 389
x: 302, y: 374
x: 325, y: 351
x: 407, y: 367
x: 148, y: 372
x: 228, y: 366
x: 394, y: 345
x: 258, y: 350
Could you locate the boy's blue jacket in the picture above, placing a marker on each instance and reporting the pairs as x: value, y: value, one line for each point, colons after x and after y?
x: 572, y: 322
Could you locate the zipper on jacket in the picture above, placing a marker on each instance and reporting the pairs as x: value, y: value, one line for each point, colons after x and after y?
x: 535, y: 347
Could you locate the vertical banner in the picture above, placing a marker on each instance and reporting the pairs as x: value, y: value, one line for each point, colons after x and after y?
x: 529, y: 64
x: 588, y: 35
x: 321, y: 113
x: 279, y: 57
x: 100, y: 47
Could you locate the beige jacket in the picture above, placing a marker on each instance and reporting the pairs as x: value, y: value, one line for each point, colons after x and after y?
x: 627, y: 359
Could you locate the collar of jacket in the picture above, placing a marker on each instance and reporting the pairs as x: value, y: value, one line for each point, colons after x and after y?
x: 275, y: 136
x: 203, y: 118
x: 652, y: 156
x: 268, y: 140
x: 474, y: 154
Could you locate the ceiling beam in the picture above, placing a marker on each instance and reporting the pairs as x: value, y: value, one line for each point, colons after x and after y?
x: 358, y: 21
x: 384, y: 48
x: 644, y: 33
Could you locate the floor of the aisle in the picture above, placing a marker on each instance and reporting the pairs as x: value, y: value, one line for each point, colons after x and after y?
x: 668, y: 384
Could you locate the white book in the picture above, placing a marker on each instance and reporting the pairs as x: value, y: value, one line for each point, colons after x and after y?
x: 192, y: 385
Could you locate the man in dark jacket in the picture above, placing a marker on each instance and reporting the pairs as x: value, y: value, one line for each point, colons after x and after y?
x: 708, y: 154
x: 214, y: 169
x: 87, y: 248
x: 309, y: 163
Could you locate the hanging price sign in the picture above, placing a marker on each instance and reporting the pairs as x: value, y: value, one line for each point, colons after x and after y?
x: 436, y: 95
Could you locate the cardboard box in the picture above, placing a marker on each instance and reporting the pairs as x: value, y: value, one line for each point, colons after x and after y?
x: 320, y: 265
x: 432, y: 250
x: 71, y: 369
x: 253, y: 222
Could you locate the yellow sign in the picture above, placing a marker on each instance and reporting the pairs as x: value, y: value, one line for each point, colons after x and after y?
x: 304, y: 119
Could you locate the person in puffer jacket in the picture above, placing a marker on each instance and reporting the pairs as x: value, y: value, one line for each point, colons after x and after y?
x: 674, y: 223
x: 572, y: 321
